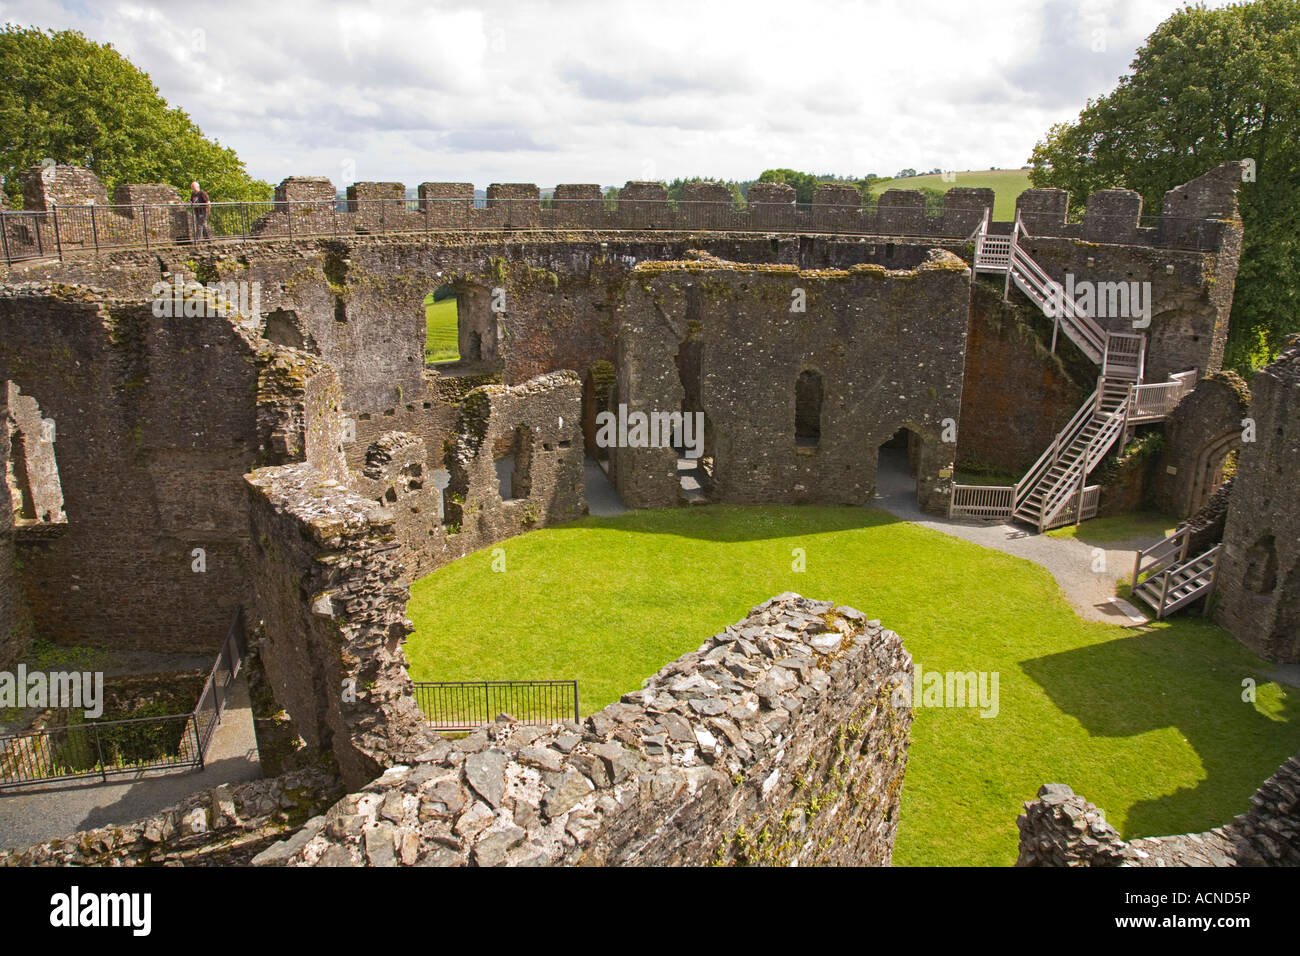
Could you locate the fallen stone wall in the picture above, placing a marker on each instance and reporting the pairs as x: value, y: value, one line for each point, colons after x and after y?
x: 780, y: 741
x: 226, y: 826
x: 1060, y: 828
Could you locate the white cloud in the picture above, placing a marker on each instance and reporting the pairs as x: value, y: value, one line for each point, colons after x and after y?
x: 614, y: 90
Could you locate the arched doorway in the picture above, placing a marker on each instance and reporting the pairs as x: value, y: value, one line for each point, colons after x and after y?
x: 1212, y: 463
x: 898, y: 460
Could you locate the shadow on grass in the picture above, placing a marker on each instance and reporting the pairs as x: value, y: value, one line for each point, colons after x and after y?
x: 1182, y: 677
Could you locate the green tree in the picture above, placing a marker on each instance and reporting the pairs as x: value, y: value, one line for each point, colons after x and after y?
x: 1207, y: 87
x: 75, y: 101
x: 805, y: 184
x: 677, y: 188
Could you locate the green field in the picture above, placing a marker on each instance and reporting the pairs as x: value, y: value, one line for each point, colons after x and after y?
x: 1006, y: 184
x: 440, y: 342
x: 1148, y: 724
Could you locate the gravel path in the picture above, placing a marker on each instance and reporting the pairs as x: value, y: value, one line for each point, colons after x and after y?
x: 1086, y: 573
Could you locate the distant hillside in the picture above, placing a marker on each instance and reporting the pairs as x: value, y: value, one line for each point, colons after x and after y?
x: 1006, y: 184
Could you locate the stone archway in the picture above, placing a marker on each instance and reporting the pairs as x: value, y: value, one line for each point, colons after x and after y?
x: 1208, y: 469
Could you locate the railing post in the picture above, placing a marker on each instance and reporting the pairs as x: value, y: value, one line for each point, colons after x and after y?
x: 288, y: 213
x: 1213, y: 582
x: 4, y: 235
x: 198, y: 739
x: 144, y: 221
x: 576, y: 711
x: 58, y: 241
x: 94, y: 229
x: 99, y: 753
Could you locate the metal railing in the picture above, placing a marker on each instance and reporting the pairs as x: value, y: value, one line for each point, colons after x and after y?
x: 137, y: 745
x: 67, y: 230
x: 467, y: 705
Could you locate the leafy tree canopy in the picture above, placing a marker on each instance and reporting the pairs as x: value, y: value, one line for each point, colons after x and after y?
x: 75, y: 101
x: 1207, y: 87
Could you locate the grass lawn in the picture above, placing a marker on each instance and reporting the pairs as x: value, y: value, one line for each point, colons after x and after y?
x: 1128, y: 527
x: 991, y: 477
x: 1006, y: 184
x: 1149, y: 724
x: 441, y: 343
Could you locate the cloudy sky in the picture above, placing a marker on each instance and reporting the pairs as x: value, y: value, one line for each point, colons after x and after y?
x: 547, y: 92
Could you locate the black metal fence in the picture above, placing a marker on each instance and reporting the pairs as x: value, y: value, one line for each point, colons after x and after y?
x: 67, y: 230
x: 108, y: 748
x: 466, y: 705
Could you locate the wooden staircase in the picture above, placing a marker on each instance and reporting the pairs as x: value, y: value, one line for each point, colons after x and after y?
x: 1165, y: 578
x: 1055, y: 490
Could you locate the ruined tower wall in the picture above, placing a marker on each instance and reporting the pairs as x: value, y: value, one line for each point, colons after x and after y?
x: 1258, y: 583
x: 326, y: 574
x: 526, y: 436
x: 889, y: 348
x: 156, y: 421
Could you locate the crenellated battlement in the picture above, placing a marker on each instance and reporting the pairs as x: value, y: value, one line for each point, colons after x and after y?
x: 67, y: 210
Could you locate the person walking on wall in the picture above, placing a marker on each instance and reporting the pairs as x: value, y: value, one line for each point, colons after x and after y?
x: 200, y: 204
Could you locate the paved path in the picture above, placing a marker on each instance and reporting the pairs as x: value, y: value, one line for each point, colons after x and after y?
x: 42, y: 812
x: 1072, y: 562
x: 602, y: 500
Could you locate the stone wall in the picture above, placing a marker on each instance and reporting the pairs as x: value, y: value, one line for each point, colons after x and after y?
x: 780, y: 741
x: 724, y: 339
x: 156, y: 422
x: 1016, y: 395
x: 15, y: 616
x: 1190, y: 296
x: 31, y: 511
x: 1060, y: 828
x: 1258, y: 582
x: 60, y: 185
